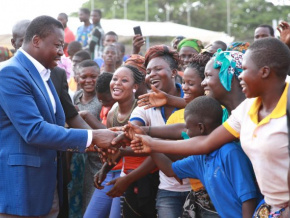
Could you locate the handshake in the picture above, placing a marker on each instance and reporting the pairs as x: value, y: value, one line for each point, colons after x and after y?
x: 110, y: 140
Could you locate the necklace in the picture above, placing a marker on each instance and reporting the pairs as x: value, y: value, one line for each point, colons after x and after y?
x: 117, y: 121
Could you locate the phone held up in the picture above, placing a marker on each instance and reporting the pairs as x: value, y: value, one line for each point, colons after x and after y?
x: 137, y: 30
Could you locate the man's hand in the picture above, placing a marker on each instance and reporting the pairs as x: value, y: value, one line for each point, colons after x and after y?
x: 156, y: 98
x: 141, y: 144
x: 103, y: 138
x: 120, y: 186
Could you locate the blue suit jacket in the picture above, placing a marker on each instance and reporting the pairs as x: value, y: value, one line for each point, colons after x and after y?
x: 30, y: 134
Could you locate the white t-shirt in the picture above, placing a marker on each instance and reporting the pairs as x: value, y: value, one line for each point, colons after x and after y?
x: 266, y: 145
x: 153, y: 117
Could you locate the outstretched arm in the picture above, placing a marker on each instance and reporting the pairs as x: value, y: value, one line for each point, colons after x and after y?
x: 163, y: 163
x: 192, y: 146
x: 158, y: 98
x: 91, y: 120
x: 172, y: 131
x: 77, y: 122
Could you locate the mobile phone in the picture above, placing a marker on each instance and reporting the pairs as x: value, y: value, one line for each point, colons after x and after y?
x: 137, y: 30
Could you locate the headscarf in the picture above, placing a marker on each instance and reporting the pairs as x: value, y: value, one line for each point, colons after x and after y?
x: 159, y: 51
x: 230, y: 63
x: 5, y: 53
x: 137, y: 61
x: 238, y: 46
x: 193, y: 43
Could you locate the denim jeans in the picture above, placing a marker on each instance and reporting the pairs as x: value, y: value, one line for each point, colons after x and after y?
x: 101, y: 205
x: 169, y: 204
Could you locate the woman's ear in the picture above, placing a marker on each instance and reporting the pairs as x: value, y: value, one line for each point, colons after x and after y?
x: 135, y: 87
x: 174, y: 73
x: 201, y: 127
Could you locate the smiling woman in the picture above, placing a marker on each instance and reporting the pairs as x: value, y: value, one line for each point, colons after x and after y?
x: 161, y: 67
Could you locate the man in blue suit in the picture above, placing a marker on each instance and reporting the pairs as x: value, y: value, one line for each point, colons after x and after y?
x: 31, y: 125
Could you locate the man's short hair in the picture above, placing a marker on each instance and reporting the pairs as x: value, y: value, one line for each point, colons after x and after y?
x: 206, y: 109
x: 98, y: 11
x: 273, y: 53
x: 20, y: 27
x: 64, y: 15
x: 41, y: 26
x: 83, y: 54
x: 223, y: 46
x: 85, y: 10
x: 103, y: 83
x: 111, y: 33
x: 271, y: 30
x: 88, y: 63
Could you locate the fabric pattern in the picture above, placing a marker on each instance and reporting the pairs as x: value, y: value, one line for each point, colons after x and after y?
x: 230, y: 64
x: 83, y: 34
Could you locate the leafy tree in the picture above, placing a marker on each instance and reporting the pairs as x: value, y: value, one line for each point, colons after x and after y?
x: 246, y: 15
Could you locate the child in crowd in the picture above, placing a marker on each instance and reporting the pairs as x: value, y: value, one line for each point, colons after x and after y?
x: 86, y: 99
x: 73, y: 81
x: 110, y: 55
x: 105, y: 98
x: 104, y: 95
x: 265, y: 66
x: 227, y: 168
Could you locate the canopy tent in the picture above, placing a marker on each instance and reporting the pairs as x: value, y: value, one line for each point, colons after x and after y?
x: 125, y: 28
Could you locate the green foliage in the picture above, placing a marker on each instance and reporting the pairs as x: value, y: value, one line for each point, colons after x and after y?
x: 206, y: 14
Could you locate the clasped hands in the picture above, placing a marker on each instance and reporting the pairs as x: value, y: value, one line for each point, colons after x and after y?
x: 108, y: 141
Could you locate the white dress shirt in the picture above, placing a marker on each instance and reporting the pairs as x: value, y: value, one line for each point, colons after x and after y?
x: 45, y: 75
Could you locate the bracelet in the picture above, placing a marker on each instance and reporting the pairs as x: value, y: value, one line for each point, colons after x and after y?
x: 149, y: 129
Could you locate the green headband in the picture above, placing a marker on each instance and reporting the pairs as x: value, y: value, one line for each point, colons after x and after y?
x: 193, y: 43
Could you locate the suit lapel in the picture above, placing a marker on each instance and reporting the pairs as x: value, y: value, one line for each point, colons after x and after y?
x: 27, y: 64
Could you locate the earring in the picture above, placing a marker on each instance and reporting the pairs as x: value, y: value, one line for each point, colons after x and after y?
x: 134, y: 90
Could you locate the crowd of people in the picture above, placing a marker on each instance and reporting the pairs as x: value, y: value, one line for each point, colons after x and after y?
x: 185, y: 130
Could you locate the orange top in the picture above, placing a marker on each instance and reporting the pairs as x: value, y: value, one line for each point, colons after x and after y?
x: 119, y: 165
x: 104, y: 113
x: 131, y: 163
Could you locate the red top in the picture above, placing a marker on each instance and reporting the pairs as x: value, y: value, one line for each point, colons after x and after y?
x: 68, y: 37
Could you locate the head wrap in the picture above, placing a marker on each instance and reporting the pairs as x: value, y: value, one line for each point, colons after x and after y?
x: 159, y: 51
x: 230, y: 63
x: 238, y: 46
x: 193, y: 43
x: 137, y: 61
